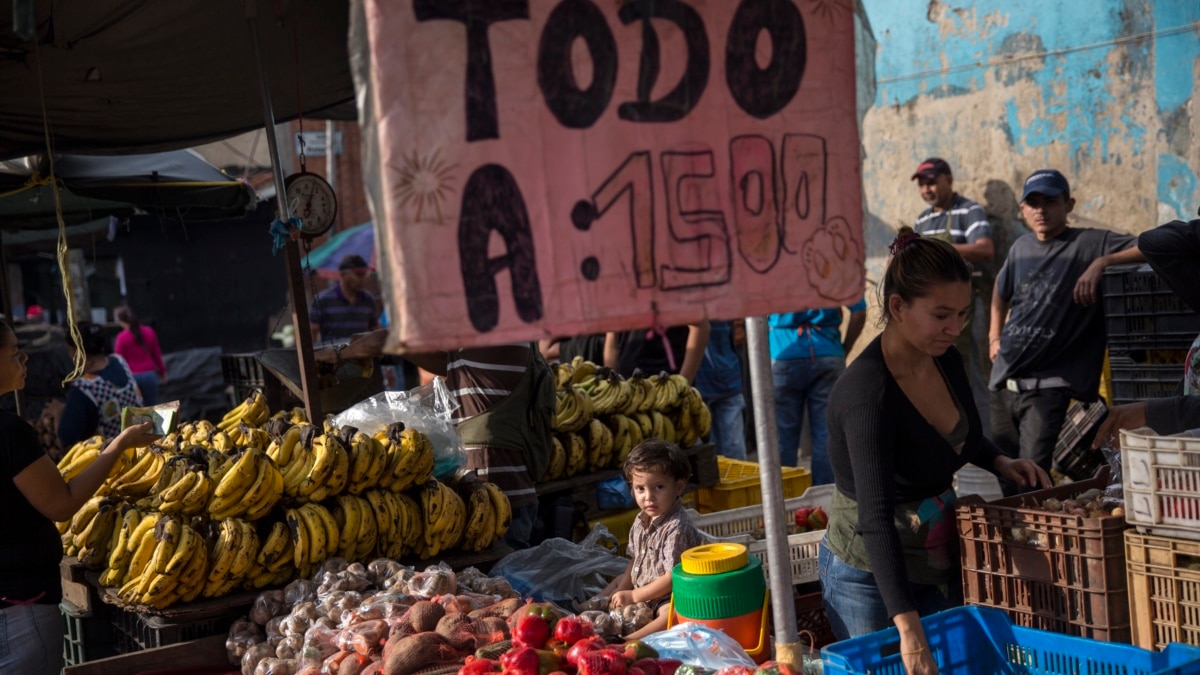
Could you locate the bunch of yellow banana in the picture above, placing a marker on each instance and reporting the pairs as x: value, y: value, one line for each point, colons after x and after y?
x: 576, y: 450
x: 581, y: 372
x: 443, y: 518
x: 692, y: 420
x: 358, y: 530
x: 661, y: 427
x: 196, y: 433
x: 233, y: 553
x: 273, y: 564
x: 250, y: 486
x: 573, y: 409
x: 610, y: 392
x: 319, y: 467
x: 80, y: 456
x: 247, y: 436
x: 174, y: 569
x: 562, y: 373
x: 253, y: 411
x: 557, y: 466
x: 315, y: 536
x: 640, y: 398
x: 668, y: 390
x: 91, y: 531
x: 368, y: 459
x: 283, y: 446
x: 397, y: 522
x: 183, y: 487
x: 410, y: 457
x: 627, y: 433
x: 489, y: 516
x: 143, y: 473
x: 599, y: 440
x: 134, y: 524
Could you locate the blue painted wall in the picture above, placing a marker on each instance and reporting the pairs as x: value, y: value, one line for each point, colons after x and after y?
x: 1103, y: 90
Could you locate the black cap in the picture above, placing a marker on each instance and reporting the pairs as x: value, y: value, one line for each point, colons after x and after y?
x: 932, y: 168
x: 1047, y: 182
x: 352, y: 262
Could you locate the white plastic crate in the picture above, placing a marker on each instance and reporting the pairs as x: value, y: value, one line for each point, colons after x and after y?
x: 739, y: 524
x: 1161, y: 477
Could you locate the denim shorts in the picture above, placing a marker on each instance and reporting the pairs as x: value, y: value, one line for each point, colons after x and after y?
x: 854, y: 605
x: 31, y: 640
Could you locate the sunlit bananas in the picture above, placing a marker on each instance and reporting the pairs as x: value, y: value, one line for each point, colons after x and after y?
x: 573, y: 409
x: 479, y: 532
x: 666, y: 396
x: 93, y: 541
x: 599, y: 444
x: 557, y: 466
x: 302, y: 544
x: 119, y: 552
x: 329, y: 471
x: 576, y: 450
x: 440, y: 508
x: 80, y: 456
x: 637, y: 394
x: 244, y: 435
x: 368, y: 459
x: 357, y: 527
x: 502, y: 508
x: 265, y: 491
x: 141, y: 545
x: 252, y: 411
x: 314, y: 534
x: 623, y: 429
x: 229, y: 495
x: 137, y: 481
x: 83, y: 517
x: 281, y: 449
x: 275, y: 545
x: 581, y: 370
x: 232, y: 556
x: 410, y: 458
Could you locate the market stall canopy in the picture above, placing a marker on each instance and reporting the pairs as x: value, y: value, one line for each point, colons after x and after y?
x: 178, y: 184
x: 139, y: 75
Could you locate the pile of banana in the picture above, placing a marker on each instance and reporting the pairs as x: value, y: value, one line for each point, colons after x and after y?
x: 602, y: 416
x: 214, y: 508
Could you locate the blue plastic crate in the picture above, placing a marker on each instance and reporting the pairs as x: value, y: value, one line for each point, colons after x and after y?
x: 974, y: 640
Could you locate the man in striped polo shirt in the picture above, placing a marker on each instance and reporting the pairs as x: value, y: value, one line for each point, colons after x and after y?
x: 344, y: 308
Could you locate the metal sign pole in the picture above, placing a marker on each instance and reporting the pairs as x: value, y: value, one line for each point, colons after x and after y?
x: 304, y: 348
x: 783, y: 611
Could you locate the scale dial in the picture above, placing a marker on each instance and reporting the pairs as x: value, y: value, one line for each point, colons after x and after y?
x: 311, y: 199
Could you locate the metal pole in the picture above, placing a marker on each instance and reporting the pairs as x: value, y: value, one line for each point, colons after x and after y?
x: 308, y: 369
x: 8, y: 318
x: 783, y: 611
x: 331, y: 163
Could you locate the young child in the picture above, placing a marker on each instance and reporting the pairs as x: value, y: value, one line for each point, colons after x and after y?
x: 657, y: 472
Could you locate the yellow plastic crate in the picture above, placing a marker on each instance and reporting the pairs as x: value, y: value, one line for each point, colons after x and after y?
x: 619, y: 524
x: 740, y: 486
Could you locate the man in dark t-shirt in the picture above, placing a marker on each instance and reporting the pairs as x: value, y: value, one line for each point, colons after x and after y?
x: 1047, y: 333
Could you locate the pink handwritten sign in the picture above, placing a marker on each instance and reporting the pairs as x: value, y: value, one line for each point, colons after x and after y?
x: 575, y: 166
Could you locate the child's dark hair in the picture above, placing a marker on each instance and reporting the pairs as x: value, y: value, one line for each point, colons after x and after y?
x: 917, y: 264
x: 660, y: 456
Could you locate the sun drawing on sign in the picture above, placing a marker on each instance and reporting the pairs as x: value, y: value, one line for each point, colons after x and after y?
x: 424, y: 183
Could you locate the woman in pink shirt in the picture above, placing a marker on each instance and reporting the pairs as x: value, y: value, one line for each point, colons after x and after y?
x: 138, y: 345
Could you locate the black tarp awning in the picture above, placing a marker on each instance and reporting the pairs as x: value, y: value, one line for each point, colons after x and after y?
x: 145, y: 75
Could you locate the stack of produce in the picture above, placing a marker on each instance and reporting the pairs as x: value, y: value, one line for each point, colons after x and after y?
x: 382, y: 617
x: 602, y: 416
x: 257, y: 501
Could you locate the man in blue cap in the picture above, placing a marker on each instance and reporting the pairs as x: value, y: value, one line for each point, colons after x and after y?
x: 1047, y: 334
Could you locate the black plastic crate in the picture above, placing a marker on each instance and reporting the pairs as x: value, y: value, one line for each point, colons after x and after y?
x: 1132, y: 381
x: 1073, y: 455
x: 88, y: 635
x: 243, y: 372
x: 133, y: 631
x: 1142, y: 312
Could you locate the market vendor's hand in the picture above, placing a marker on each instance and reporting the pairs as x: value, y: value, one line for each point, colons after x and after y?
x: 1129, y: 416
x: 1023, y: 472
x: 621, y: 599
x: 136, y: 436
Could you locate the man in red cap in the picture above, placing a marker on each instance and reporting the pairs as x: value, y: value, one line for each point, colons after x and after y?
x: 951, y: 216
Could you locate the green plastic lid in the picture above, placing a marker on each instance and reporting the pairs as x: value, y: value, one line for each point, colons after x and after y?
x: 719, y: 596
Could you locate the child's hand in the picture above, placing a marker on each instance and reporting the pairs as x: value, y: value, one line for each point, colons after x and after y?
x: 620, y: 599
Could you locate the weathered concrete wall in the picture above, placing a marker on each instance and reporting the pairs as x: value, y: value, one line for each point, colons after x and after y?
x: 1103, y: 90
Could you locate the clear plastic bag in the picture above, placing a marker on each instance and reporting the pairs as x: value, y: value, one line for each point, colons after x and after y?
x: 1114, y: 494
x: 427, y: 408
x: 698, y: 645
x: 561, y: 571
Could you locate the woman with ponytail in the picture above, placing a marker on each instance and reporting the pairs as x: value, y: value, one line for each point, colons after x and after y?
x: 138, y: 345
x: 902, y: 421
